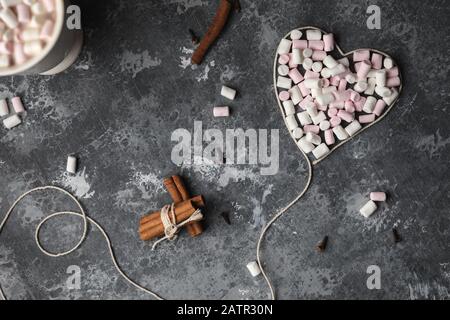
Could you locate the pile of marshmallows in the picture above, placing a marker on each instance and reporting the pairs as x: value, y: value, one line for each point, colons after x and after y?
x: 323, y: 98
x: 25, y: 28
x: 370, y: 207
x: 11, y: 121
x: 224, y: 111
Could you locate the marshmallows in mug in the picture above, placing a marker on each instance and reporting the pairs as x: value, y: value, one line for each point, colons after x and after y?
x: 331, y: 99
x: 26, y: 26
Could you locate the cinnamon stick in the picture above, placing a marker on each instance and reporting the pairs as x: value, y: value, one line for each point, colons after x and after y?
x: 182, y: 208
x: 158, y: 230
x: 194, y: 228
x: 173, y: 190
x: 179, y: 207
x: 216, y: 27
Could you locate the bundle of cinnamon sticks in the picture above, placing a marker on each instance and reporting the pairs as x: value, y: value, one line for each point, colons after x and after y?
x: 151, y: 225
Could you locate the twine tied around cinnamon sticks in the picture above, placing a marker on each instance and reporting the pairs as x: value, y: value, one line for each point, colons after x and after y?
x: 171, y: 228
x: 184, y: 212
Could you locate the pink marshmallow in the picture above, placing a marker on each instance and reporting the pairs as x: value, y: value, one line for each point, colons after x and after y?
x: 357, y: 65
x: 303, y: 89
x: 295, y: 75
x: 332, y: 112
x: 283, y: 59
x: 47, y: 30
x: 316, y: 44
x: 361, y: 55
x: 334, y: 81
x: 49, y: 5
x: 322, y: 108
x: 223, y: 111
x: 393, y: 82
x: 360, y: 104
x: 19, y: 54
x: 311, y: 75
x: 377, y: 61
x: 368, y: 118
x: 378, y: 196
x: 6, y: 48
x: 344, y: 115
x: 329, y: 137
x: 349, y: 106
x: 299, y: 44
x: 335, y: 121
x: 393, y: 72
x: 307, y: 100
x: 379, y: 107
x: 284, y: 95
x: 318, y: 55
x: 337, y: 105
x: 328, y: 40
x: 17, y: 105
x: 342, y: 85
x: 364, y: 69
x: 311, y: 128
x: 325, y: 83
x: 23, y: 13
x: 342, y: 96
x: 355, y: 96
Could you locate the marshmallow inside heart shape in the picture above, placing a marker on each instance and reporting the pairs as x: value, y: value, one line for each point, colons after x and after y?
x: 327, y: 96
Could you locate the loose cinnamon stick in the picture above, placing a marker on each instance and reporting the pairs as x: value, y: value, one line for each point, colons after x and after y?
x: 194, y: 228
x: 216, y: 27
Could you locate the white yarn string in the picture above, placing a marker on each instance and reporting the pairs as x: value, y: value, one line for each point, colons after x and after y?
x: 86, y: 219
x: 310, y: 164
x: 171, y: 228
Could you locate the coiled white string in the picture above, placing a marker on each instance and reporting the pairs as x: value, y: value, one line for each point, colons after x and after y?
x: 86, y: 219
x: 310, y: 164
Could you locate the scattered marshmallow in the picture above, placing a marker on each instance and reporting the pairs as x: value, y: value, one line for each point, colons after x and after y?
x: 368, y: 209
x: 12, y: 121
x: 228, y: 93
x: 221, y: 111
x: 71, y: 164
x: 378, y: 196
x: 4, y: 109
x: 17, y: 105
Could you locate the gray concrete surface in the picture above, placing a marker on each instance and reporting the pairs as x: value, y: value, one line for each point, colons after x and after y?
x: 133, y: 86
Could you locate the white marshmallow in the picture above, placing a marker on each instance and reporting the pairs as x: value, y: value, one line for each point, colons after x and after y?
x: 296, y: 95
x: 297, y: 133
x: 228, y: 93
x: 254, y: 269
x: 319, y: 118
x: 313, y: 34
x: 389, y: 100
x: 313, y: 83
x: 351, y: 78
x: 330, y: 62
x: 4, y: 61
x: 325, y: 125
x: 4, y: 109
x: 71, y: 164
x: 317, y: 66
x: 304, y: 118
x: 380, y: 77
x: 344, y: 61
x: 289, y: 108
x: 353, y: 128
x: 9, y: 18
x: 325, y: 98
x: 296, y: 34
x: 368, y: 209
x: 291, y: 122
x: 313, y: 138
x: 325, y: 73
x: 285, y: 46
x: 297, y: 57
x: 307, y: 53
x: 361, y: 86
x: 305, y: 145
x: 307, y: 64
x: 388, y: 63
x: 340, y: 133
x: 10, y: 3
x: 383, y: 91
x: 338, y: 69
x: 12, y: 121
x: 283, y: 70
x: 371, y: 83
x: 32, y: 48
x: 369, y: 105
x: 284, y: 82
x: 311, y: 109
x: 321, y: 151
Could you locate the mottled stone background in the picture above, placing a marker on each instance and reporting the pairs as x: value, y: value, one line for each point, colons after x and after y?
x: 133, y: 85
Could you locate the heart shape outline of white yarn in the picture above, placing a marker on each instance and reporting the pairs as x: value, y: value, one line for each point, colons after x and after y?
x: 343, y: 54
